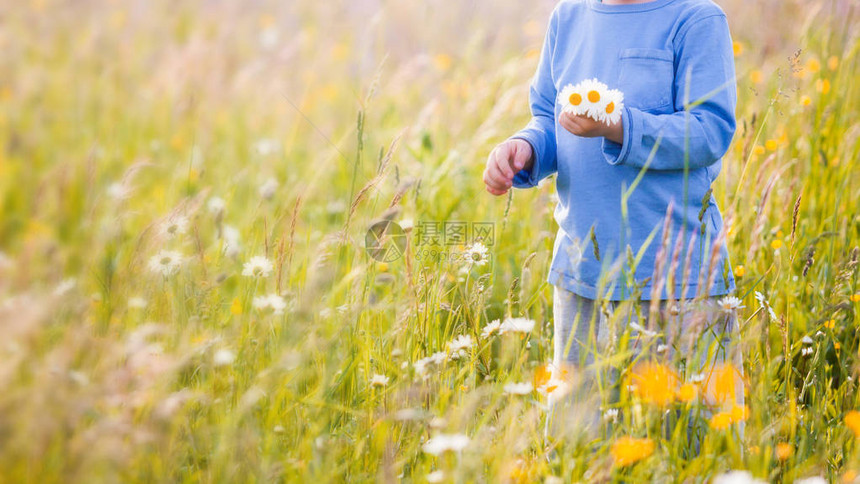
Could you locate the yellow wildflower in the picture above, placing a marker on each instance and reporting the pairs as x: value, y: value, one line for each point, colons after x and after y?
x: 738, y: 48
x: 629, y: 450
x: 771, y: 145
x: 740, y: 271
x: 822, y: 86
x: 756, y: 77
x: 784, y: 451
x: 236, y: 307
x: 442, y: 62
x: 855, y: 297
x: 852, y: 421
x: 654, y: 383
x: 830, y: 324
x: 687, y: 392
x: 740, y: 413
x: 758, y: 150
x: 721, y: 384
x: 776, y: 244
x: 813, y: 65
x: 721, y: 421
x: 833, y: 63
x: 805, y: 100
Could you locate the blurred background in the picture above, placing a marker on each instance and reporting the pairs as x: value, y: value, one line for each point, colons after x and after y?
x: 136, y: 134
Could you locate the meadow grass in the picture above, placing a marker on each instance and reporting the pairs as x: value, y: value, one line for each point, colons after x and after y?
x: 223, y: 131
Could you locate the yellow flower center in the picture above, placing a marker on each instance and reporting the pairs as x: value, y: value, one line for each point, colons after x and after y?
x: 575, y: 99
x: 610, y: 108
x: 593, y: 96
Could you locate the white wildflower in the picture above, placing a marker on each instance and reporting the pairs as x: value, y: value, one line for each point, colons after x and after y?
x: 445, y: 442
x: 223, y: 357
x: 166, y: 262
x: 611, y: 415
x: 231, y: 241
x: 459, y: 346
x: 272, y: 302
x: 494, y: 327
x: 476, y: 255
x: 518, y: 388
x: 268, y: 188
x: 730, y: 303
x: 736, y: 477
x: 517, y: 325
x: 379, y: 380
x: 258, y: 266
x: 638, y: 327
x: 435, y: 476
x: 174, y: 226
x: 765, y: 304
x: 216, y: 206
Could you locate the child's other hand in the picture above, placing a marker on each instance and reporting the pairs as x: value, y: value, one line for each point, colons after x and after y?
x: 586, y: 127
x: 504, y: 162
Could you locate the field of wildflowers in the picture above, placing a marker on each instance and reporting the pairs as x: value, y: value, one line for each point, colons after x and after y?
x: 186, y: 292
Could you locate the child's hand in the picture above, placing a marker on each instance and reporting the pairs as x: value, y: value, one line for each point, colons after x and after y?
x: 504, y: 162
x: 582, y: 125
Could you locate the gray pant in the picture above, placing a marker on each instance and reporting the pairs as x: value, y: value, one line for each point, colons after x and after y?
x: 590, y: 339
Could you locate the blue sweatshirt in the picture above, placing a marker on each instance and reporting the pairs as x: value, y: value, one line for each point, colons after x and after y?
x: 663, y: 55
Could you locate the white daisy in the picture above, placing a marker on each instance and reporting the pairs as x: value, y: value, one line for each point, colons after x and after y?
x: 638, y: 327
x: 494, y: 327
x: 762, y: 301
x: 231, y: 241
x: 518, y: 388
x: 445, y: 442
x: 730, y: 303
x: 459, y: 346
x: 807, y: 351
x: 379, y: 380
x: 556, y: 386
x: 611, y: 112
x: 611, y: 415
x: 166, y: 262
x: 736, y: 477
x: 807, y: 340
x: 272, y: 302
x: 174, y: 226
x: 517, y: 325
x: 476, y: 254
x: 268, y: 189
x: 258, y: 266
x: 223, y: 357
x: 435, y: 476
x: 594, y: 97
x: 571, y: 98
x: 216, y: 206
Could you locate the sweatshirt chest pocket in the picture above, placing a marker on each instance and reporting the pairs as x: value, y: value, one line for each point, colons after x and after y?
x: 646, y: 76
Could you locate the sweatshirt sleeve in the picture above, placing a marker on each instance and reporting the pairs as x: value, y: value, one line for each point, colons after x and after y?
x: 705, y: 125
x: 540, y: 131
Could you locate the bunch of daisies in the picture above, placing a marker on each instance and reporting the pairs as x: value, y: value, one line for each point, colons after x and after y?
x: 593, y: 99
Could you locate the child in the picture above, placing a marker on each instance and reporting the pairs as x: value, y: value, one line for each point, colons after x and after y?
x: 673, y: 61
